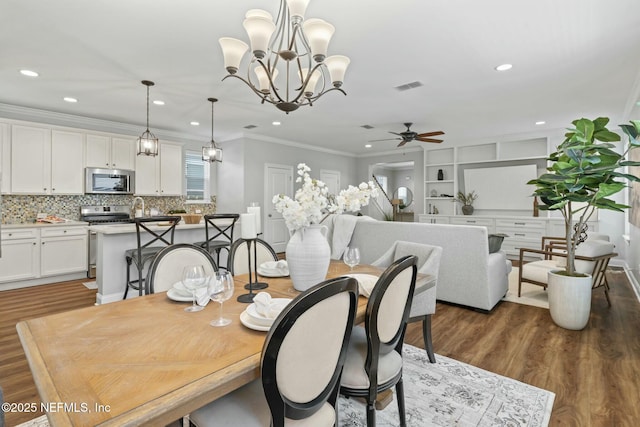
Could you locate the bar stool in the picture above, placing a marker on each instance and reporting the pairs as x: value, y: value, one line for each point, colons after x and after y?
x: 144, y: 253
x: 219, y: 236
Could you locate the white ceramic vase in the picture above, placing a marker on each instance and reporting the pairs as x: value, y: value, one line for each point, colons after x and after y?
x: 308, y: 256
x: 569, y: 300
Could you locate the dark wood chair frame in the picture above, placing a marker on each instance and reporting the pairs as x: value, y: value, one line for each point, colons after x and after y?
x: 213, y: 231
x: 146, y: 252
x: 375, y: 346
x: 280, y: 406
x: 166, y: 251
x: 553, y: 247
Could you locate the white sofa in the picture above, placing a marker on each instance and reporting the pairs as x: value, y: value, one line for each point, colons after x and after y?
x: 469, y: 274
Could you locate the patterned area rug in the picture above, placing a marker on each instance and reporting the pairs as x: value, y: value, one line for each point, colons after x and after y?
x: 530, y: 295
x: 450, y: 393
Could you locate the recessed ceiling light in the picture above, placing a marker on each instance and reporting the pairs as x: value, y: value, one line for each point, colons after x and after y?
x: 367, y: 146
x: 504, y: 67
x: 195, y: 123
x: 69, y: 99
x: 158, y: 102
x: 541, y: 122
x: 275, y: 123
x: 29, y: 73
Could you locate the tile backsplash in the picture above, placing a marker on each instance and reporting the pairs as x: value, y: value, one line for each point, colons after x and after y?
x: 20, y: 209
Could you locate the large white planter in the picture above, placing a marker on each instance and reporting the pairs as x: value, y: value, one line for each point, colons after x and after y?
x: 308, y: 256
x: 569, y: 300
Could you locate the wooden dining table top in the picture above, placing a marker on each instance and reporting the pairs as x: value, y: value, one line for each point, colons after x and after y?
x: 145, y: 361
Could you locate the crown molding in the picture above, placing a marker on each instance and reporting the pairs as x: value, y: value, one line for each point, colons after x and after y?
x: 17, y: 112
x: 298, y: 145
x: 392, y: 152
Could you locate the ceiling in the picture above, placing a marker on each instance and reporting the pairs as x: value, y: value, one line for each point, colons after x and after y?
x: 571, y: 58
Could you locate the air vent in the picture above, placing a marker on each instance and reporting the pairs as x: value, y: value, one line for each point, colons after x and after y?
x: 408, y: 86
x: 367, y: 126
x: 250, y: 126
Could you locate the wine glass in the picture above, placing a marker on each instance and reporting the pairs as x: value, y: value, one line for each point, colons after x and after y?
x: 221, y: 289
x: 352, y: 257
x: 193, y: 278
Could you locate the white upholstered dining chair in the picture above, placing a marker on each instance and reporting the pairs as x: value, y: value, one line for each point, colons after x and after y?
x: 374, y: 358
x: 166, y: 268
x: 301, y: 364
x: 238, y: 261
x: 424, y: 301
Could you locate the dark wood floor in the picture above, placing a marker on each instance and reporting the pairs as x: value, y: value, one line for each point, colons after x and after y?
x: 595, y: 373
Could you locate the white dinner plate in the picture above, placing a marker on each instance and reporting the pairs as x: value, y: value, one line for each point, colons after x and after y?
x: 258, y: 319
x: 176, y: 296
x: 271, y: 273
x: 245, y: 319
x: 179, y: 289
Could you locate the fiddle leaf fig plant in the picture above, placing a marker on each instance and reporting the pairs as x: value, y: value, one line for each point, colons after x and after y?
x: 584, y: 172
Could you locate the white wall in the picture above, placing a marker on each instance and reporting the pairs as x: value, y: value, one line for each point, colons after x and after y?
x: 241, y: 173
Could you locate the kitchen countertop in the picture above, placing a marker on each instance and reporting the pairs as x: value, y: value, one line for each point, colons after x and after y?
x: 131, y: 228
x: 43, y: 224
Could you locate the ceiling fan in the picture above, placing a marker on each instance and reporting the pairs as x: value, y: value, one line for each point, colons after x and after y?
x: 410, y: 135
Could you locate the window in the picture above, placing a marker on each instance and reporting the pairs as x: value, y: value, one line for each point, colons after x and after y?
x: 197, y: 176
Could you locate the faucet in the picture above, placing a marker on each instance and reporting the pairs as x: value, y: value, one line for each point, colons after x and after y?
x: 133, y: 205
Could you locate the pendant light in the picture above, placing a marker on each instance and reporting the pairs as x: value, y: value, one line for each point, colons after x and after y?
x: 212, y: 153
x: 147, y: 142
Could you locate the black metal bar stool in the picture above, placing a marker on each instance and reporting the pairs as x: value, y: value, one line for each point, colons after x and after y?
x: 219, y: 235
x: 145, y: 252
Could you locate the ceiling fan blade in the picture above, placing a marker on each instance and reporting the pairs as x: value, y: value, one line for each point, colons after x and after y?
x: 388, y: 139
x: 402, y: 143
x: 438, y: 132
x: 396, y: 133
x: 428, y: 140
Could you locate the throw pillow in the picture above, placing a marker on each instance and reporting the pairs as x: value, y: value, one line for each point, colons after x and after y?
x: 495, y: 242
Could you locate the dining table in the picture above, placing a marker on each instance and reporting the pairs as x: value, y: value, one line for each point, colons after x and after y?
x: 145, y: 361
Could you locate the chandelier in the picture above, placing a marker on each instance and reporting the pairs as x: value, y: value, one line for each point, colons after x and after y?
x: 294, y: 49
x: 147, y: 142
x: 212, y: 153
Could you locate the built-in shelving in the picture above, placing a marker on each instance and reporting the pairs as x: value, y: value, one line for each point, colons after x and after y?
x: 452, y: 160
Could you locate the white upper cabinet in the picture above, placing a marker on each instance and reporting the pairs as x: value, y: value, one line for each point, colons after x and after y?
x: 123, y: 153
x: 110, y: 152
x: 67, y: 160
x: 161, y: 175
x: 30, y: 160
x: 5, y: 158
x: 45, y: 161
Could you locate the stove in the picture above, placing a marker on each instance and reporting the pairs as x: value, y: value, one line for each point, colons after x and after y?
x: 102, y: 215
x: 105, y: 214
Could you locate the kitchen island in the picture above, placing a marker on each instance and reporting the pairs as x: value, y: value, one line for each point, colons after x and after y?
x: 111, y: 243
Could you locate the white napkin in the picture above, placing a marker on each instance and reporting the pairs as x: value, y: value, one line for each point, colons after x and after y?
x: 202, y: 296
x: 366, y: 283
x: 262, y: 300
x: 279, y: 267
x: 268, y: 307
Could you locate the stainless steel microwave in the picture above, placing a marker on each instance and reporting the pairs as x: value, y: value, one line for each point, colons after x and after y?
x: 109, y: 181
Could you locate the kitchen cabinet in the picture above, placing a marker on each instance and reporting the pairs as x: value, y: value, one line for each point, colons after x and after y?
x: 161, y: 175
x: 67, y: 162
x: 30, y: 160
x: 20, y: 255
x: 63, y: 250
x: 104, y: 151
x: 45, y: 161
x: 5, y: 159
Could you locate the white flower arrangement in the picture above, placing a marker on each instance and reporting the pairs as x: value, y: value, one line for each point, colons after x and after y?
x: 312, y: 202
